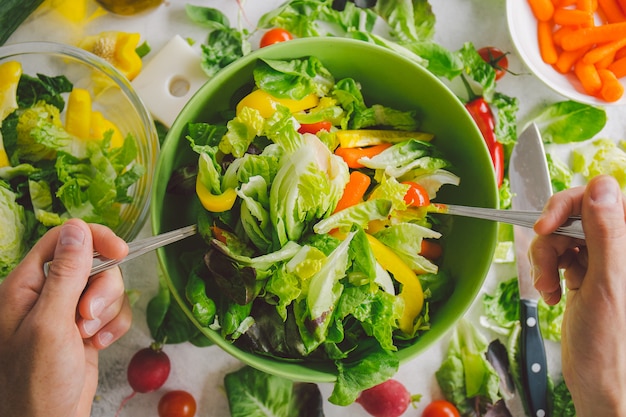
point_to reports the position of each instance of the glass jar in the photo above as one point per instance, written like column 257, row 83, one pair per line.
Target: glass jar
column 129, row 7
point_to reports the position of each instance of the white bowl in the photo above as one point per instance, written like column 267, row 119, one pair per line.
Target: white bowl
column 523, row 30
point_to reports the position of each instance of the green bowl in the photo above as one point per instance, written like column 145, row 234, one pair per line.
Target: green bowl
column 386, row 78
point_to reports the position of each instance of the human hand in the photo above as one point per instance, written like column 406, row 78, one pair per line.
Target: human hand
column 593, row 357
column 51, row 328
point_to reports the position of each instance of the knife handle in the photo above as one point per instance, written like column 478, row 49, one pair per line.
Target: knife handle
column 534, row 364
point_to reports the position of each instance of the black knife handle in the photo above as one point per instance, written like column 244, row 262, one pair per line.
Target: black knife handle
column 534, row 364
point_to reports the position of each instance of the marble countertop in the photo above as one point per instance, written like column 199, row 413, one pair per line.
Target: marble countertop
column 201, row 370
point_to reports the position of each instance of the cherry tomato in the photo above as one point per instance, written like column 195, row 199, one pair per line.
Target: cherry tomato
column 177, row 404
column 440, row 408
column 315, row 127
column 496, row 58
column 275, row 35
column 416, row 196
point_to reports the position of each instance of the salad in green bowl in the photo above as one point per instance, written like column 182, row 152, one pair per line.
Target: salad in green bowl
column 318, row 246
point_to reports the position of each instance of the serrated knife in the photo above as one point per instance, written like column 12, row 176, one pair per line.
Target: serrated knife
column 531, row 189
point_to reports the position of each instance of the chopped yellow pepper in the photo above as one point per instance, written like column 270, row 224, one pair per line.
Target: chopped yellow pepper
column 118, row 48
column 73, row 10
column 100, row 125
column 78, row 114
column 266, row 103
column 411, row 292
column 10, row 73
column 368, row 137
column 215, row 203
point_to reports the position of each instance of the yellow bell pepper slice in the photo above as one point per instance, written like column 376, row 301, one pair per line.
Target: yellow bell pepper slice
column 411, row 292
column 100, row 125
column 215, row 203
column 368, row 137
column 118, row 48
column 10, row 73
column 266, row 104
column 78, row 114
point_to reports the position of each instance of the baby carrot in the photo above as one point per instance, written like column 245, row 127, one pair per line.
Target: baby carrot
column 542, row 9
column 618, row 67
column 566, row 60
column 572, row 17
column 354, row 191
column 586, row 5
column 546, row 42
column 592, row 35
column 561, row 32
column 612, row 90
column 599, row 52
column 612, row 11
column 621, row 53
column 588, row 77
column 352, row 155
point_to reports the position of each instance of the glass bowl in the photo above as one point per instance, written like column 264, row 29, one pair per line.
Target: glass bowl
column 113, row 96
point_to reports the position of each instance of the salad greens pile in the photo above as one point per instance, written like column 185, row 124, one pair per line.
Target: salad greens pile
column 51, row 175
column 284, row 274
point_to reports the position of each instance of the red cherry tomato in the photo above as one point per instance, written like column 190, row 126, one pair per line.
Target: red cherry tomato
column 416, row 196
column 177, row 404
column 315, row 127
column 496, row 58
column 275, row 35
column 440, row 408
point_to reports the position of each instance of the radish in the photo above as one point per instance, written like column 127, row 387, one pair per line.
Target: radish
column 147, row 371
column 388, row 399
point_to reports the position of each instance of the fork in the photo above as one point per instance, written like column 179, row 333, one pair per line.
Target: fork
column 572, row 228
column 136, row 249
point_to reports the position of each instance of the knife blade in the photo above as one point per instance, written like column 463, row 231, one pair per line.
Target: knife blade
column 531, row 189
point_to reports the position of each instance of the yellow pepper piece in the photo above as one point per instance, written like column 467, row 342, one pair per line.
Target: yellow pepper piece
column 411, row 293
column 215, row 203
column 368, row 137
column 78, row 114
column 10, row 73
column 118, row 48
column 266, row 103
column 73, row 10
column 126, row 58
column 100, row 125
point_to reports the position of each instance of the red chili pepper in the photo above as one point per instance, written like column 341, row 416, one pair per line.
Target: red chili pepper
column 480, row 111
column 497, row 156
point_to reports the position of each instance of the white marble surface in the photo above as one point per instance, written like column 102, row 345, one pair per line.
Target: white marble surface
column 201, row 370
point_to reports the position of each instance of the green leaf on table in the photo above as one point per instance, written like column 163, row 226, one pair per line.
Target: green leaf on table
column 569, row 121
column 253, row 393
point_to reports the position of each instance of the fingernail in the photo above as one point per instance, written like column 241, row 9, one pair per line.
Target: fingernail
column 105, row 338
column 72, row 235
column 96, row 307
column 606, row 191
column 91, row 326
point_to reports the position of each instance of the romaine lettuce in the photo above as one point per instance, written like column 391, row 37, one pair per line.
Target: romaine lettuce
column 13, row 232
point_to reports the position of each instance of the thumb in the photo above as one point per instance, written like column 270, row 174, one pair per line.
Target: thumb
column 605, row 226
column 69, row 269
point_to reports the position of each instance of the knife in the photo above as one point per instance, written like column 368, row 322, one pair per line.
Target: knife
column 531, row 189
